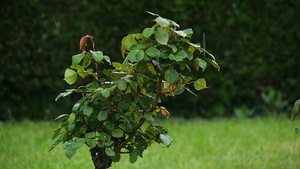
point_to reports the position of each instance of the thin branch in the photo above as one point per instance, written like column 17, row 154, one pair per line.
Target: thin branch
column 98, row 72
column 142, row 120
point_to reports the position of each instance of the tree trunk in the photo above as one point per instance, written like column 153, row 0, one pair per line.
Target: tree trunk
column 100, row 159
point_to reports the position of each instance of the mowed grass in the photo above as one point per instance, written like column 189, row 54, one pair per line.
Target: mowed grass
column 267, row 143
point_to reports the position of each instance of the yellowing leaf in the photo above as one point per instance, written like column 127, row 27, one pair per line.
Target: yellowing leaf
column 165, row 112
column 200, row 84
column 70, row 76
column 214, row 63
column 151, row 69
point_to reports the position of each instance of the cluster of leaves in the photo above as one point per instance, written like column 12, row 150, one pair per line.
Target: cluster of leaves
column 295, row 111
column 116, row 110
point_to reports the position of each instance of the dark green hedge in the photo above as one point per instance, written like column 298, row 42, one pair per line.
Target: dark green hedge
column 256, row 44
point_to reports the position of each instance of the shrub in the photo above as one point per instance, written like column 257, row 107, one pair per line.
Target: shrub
column 118, row 102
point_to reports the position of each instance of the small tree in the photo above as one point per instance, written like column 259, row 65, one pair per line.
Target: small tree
column 114, row 106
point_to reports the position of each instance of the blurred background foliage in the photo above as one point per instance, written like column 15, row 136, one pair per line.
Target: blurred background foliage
column 256, row 43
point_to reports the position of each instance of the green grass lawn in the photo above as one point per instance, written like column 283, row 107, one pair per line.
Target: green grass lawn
column 198, row 144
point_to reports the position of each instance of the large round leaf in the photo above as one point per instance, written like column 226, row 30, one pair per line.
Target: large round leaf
column 70, row 76
column 171, row 76
column 200, row 84
column 162, row 36
column 118, row 133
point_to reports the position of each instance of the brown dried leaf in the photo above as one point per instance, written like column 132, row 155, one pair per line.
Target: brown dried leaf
column 83, row 42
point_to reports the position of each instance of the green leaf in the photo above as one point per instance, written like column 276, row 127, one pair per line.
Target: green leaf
column 102, row 136
column 76, row 59
column 102, row 115
column 171, row 76
column 76, row 107
column 56, row 132
column 90, row 135
column 124, row 105
column 181, row 33
column 172, row 57
column 98, row 55
column 149, row 117
column 201, row 63
column 173, row 47
column 110, row 152
column 144, row 102
column 188, row 32
column 180, row 55
column 70, row 76
column 140, row 55
column 64, row 94
column 109, row 126
column 174, row 24
column 189, row 90
column 107, row 59
column 116, row 158
column 71, row 118
column 87, row 60
column 126, row 127
column 187, row 79
column 133, row 85
column 108, row 142
column 208, row 53
column 129, row 41
column 88, row 111
column 55, row 144
column 71, row 127
column 295, row 109
column 70, row 152
column 128, row 89
column 136, row 55
column 77, row 143
column 151, row 13
column 200, row 84
column 178, row 90
column 162, row 36
column 118, row 133
column 61, row 116
column 197, row 46
column 182, row 66
column 131, row 55
column 148, row 32
column 133, row 156
column 92, row 143
column 165, row 139
column 214, row 63
column 162, row 22
column 151, row 69
column 116, row 65
column 189, row 55
column 106, row 92
column 121, row 85
column 82, row 74
column 153, row 52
